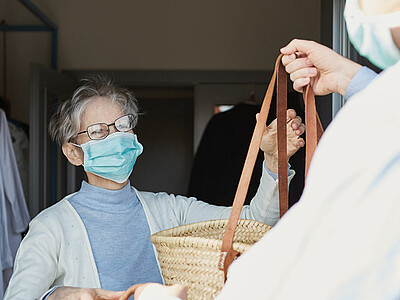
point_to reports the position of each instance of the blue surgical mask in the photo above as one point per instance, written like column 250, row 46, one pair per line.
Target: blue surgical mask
column 112, row 158
column 371, row 35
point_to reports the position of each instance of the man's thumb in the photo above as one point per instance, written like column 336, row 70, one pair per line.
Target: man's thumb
column 297, row 46
column 108, row 295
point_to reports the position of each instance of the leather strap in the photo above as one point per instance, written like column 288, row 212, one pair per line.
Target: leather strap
column 279, row 75
column 281, row 111
column 227, row 253
column 313, row 126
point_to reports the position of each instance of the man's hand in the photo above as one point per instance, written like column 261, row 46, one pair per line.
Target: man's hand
column 269, row 144
column 154, row 291
column 72, row 293
column 308, row 61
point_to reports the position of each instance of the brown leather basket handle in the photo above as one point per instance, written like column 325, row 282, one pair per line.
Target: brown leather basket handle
column 313, row 125
column 312, row 119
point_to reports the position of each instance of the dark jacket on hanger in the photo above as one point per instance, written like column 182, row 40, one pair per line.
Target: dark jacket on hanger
column 222, row 151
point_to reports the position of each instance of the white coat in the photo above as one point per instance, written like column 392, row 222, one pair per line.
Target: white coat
column 342, row 239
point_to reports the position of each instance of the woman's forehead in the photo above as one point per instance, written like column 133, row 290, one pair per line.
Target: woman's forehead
column 100, row 110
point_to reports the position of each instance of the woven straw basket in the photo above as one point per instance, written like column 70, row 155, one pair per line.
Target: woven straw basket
column 198, row 255
column 189, row 254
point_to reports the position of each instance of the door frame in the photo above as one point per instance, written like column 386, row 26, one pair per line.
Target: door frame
column 43, row 81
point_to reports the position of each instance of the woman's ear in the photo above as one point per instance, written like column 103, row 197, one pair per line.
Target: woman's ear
column 73, row 154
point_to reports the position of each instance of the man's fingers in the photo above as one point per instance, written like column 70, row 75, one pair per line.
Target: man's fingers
column 108, row 295
column 303, row 73
column 300, row 83
column 87, row 296
column 178, row 291
column 298, row 46
column 298, row 64
column 287, row 59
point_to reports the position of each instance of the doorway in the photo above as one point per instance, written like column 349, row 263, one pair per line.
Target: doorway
column 165, row 129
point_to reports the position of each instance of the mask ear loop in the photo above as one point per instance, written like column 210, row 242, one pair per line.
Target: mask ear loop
column 79, row 146
column 76, row 145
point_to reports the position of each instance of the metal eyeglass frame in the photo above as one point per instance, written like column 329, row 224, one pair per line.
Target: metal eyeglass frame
column 108, row 127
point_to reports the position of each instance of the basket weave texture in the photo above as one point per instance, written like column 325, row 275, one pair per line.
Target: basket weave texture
column 189, row 254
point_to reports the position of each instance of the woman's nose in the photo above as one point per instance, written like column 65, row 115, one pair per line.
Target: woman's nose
column 112, row 129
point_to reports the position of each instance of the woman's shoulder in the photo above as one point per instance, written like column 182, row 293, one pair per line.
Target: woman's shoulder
column 158, row 197
column 149, row 196
column 57, row 213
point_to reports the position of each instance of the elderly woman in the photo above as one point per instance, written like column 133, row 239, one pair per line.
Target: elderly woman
column 97, row 240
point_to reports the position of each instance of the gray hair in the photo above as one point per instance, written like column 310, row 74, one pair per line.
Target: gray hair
column 65, row 123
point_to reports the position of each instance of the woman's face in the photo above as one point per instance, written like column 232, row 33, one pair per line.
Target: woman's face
column 99, row 110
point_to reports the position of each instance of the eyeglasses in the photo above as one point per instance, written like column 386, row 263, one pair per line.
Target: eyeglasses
column 100, row 131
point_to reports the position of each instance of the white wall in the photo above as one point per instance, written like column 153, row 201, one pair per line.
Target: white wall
column 155, row 34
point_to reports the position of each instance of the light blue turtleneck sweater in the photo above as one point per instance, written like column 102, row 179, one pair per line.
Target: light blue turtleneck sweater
column 119, row 235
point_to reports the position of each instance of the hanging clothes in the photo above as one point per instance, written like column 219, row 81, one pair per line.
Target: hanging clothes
column 221, row 154
column 220, row 157
column 14, row 216
column 20, row 144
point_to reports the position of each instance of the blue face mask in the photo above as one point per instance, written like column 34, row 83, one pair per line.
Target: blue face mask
column 371, row 35
column 112, row 158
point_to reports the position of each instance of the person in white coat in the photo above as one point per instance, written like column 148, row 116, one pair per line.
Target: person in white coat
column 96, row 242
column 342, row 239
